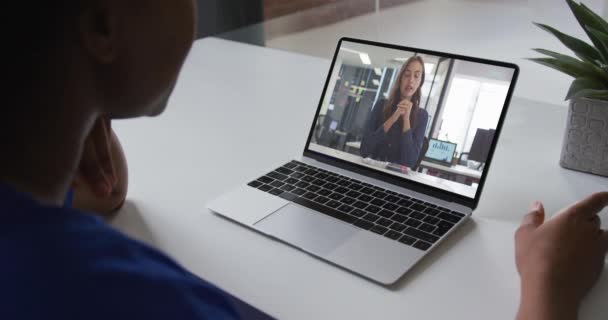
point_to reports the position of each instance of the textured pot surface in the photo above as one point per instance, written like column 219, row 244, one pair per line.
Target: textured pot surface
column 585, row 145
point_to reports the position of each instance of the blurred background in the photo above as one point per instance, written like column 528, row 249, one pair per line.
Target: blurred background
column 494, row 29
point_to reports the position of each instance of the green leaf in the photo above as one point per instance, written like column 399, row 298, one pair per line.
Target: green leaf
column 576, row 68
column 592, row 94
column 582, row 49
column 581, row 84
column 601, row 37
column 598, row 20
column 587, row 20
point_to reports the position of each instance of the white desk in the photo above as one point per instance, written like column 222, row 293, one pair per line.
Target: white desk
column 239, row 110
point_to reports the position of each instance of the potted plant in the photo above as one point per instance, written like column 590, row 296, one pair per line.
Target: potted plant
column 585, row 144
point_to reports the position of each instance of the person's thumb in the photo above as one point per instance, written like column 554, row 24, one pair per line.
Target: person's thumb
column 535, row 217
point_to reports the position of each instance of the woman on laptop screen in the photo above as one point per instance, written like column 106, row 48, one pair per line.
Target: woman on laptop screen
column 396, row 127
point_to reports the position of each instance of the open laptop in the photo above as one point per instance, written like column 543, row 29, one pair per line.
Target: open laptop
column 440, row 152
column 354, row 198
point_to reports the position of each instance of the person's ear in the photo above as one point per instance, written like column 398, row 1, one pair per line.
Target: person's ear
column 99, row 27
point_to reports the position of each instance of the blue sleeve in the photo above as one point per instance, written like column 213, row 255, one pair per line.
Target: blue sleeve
column 411, row 141
column 374, row 134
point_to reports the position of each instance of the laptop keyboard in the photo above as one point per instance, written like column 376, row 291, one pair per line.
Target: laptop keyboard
column 398, row 217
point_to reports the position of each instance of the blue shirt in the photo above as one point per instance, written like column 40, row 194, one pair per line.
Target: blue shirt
column 395, row 145
column 60, row 263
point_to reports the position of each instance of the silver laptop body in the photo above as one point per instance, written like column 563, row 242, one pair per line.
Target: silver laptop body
column 346, row 234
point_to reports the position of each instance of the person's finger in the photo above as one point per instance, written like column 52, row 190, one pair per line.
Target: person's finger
column 535, row 217
column 604, row 240
column 595, row 222
column 589, row 206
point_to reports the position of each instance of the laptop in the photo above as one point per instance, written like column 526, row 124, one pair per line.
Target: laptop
column 354, row 198
column 440, row 152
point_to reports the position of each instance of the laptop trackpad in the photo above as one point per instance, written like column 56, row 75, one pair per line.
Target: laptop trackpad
column 306, row 229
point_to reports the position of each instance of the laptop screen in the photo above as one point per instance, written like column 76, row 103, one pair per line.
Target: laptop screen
column 440, row 151
column 401, row 111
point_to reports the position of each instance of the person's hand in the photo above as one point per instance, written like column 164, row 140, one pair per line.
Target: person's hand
column 560, row 260
column 96, row 167
column 405, row 108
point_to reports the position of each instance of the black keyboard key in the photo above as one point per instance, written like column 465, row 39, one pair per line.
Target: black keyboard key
column 265, row 179
column 390, row 206
column 358, row 213
column 365, row 198
column 321, row 199
column 330, row 186
column 413, row 223
column 291, row 165
column 418, row 215
column 360, row 204
column 367, row 190
column 343, row 183
column 324, row 192
column 302, row 184
column 307, row 179
column 394, row 235
column 336, row 196
column 392, row 198
column 255, row 184
column 277, row 184
column 287, row 187
column 371, row 217
column 378, row 202
column 322, row 176
column 431, row 220
column 422, row 245
column 417, row 207
column 363, row 224
column 372, row 209
column 313, row 188
column 356, row 186
column 405, row 203
column 407, row 240
column 449, row 217
column 277, row 176
column 384, row 222
column 399, row 218
column 311, row 172
column 378, row 229
column 348, row 200
column 341, row 190
column 300, row 168
column 427, row 228
column 275, row 191
column 310, row 195
column 345, row 208
column 291, row 181
column 391, row 192
column 431, row 211
column 444, row 225
column 333, row 204
column 284, row 171
column 297, row 175
column 299, row 191
column 397, row 226
column 332, row 179
column 328, row 211
column 404, row 211
column 386, row 213
column 318, row 182
column 458, row 214
column 421, row 235
column 265, row 188
column 379, row 194
column 353, row 194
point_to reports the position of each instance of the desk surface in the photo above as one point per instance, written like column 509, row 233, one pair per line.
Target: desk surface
column 196, row 151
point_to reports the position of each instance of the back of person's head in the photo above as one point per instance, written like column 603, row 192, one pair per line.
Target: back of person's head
column 116, row 57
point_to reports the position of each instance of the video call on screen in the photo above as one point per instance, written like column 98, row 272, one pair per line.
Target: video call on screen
column 421, row 117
